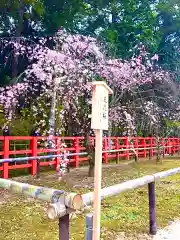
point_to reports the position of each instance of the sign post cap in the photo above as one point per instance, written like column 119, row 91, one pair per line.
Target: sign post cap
column 102, row 83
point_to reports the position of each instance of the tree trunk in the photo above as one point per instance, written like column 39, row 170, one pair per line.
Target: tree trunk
column 18, row 32
column 52, row 111
column 158, row 149
column 52, row 117
column 70, row 123
column 91, row 157
column 90, row 148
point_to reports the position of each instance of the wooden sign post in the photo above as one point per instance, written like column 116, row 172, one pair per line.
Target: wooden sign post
column 99, row 122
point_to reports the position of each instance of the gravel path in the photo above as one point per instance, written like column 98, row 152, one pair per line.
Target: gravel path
column 171, row 232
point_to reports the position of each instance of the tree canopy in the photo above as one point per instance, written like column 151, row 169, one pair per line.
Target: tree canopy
column 133, row 45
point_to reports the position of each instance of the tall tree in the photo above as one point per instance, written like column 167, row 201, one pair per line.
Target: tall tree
column 169, row 35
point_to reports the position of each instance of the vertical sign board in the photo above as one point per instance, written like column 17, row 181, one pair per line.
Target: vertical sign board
column 99, row 122
column 100, row 108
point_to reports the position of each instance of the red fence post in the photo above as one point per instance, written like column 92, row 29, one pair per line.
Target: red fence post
column 165, row 146
column 105, row 148
column 171, row 146
column 34, row 153
column 117, row 148
column 155, row 146
column 177, row 143
column 58, row 152
column 76, row 146
column 144, row 146
column 174, row 146
column 136, row 146
column 126, row 143
column 162, row 144
column 151, row 147
column 5, row 155
column 168, row 146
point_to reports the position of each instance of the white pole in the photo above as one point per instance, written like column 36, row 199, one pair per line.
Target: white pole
column 97, row 184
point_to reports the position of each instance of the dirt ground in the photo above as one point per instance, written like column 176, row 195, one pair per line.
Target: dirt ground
column 123, row 217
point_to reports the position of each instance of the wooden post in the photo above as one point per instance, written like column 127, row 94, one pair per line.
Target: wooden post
column 99, row 122
column 5, row 155
column 76, row 146
column 89, row 226
column 152, row 209
column 97, row 185
column 64, row 228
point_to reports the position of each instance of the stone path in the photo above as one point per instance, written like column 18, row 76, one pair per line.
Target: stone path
column 171, row 232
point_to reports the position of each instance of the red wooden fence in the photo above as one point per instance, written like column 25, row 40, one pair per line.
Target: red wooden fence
column 18, row 146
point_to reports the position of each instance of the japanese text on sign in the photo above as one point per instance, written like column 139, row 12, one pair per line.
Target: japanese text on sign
column 100, row 109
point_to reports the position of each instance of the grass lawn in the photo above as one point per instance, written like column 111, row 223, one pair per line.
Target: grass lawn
column 123, row 215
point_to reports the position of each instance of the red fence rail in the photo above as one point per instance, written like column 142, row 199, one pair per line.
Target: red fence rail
column 18, row 146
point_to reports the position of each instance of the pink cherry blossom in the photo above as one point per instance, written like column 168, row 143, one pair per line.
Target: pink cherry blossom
column 76, row 60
